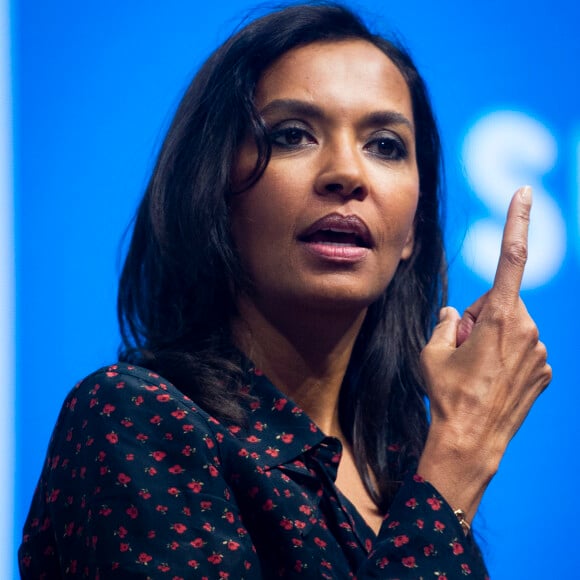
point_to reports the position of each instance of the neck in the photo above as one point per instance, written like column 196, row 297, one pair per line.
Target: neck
column 305, row 354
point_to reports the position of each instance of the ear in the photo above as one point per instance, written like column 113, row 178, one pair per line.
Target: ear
column 409, row 244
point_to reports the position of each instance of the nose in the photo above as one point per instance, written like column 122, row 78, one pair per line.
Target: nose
column 341, row 171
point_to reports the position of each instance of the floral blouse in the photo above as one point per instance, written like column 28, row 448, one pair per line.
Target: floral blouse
column 140, row 482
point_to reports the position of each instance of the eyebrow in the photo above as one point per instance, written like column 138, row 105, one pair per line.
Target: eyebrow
column 303, row 108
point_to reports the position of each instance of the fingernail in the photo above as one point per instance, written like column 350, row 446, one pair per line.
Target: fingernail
column 526, row 193
column 443, row 314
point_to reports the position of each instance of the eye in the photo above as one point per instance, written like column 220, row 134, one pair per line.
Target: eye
column 387, row 147
column 290, row 136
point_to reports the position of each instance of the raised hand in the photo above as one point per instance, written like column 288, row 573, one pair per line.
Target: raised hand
column 483, row 373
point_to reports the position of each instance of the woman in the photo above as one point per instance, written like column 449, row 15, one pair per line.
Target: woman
column 285, row 274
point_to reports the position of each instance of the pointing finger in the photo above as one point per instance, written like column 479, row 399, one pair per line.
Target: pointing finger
column 514, row 246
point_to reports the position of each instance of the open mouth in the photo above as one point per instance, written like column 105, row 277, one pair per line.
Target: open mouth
column 336, row 238
column 338, row 230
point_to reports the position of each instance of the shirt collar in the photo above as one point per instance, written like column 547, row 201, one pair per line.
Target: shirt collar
column 277, row 429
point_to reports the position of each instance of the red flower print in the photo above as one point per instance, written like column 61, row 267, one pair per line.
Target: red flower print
column 411, row 503
column 144, row 558
column 457, row 548
column 112, row 437
column 187, row 428
column 418, row 478
column 252, row 439
column 105, row 511
column 383, row 562
column 173, row 491
column 188, row 450
column 429, row 550
column 259, row 426
column 268, row 505
column 132, row 512
column 123, row 479
column 145, row 493
column 124, row 547
column 215, row 558
column 409, row 562
column 297, row 543
column 193, row 564
column 162, row 508
column 434, row 503
column 233, row 546
column 212, row 471
column 209, row 442
column 141, row 437
column 286, row 437
column 158, row 455
column 195, row 485
column 208, row 527
column 163, row 398
column 420, row 523
column 156, row 419
column 299, row 524
column 439, row 526
column 465, row 569
column 286, row 523
column 138, row 400
column 320, row 543
column 272, row 451
column 179, row 528
column 163, row 567
column 228, row 516
column 197, row 543
column 400, row 540
column 126, row 422
column 179, row 414
column 107, row 409
column 298, row 566
column 205, row 505
column 279, row 404
column 176, row 469
column 129, row 456
column 121, row 532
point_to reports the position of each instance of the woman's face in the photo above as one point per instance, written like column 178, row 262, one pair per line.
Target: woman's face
column 332, row 216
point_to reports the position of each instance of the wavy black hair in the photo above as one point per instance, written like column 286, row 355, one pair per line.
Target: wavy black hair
column 181, row 276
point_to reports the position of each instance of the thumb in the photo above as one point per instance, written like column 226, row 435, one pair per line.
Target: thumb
column 445, row 333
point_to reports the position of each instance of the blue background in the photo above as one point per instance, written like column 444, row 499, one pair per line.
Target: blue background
column 94, row 87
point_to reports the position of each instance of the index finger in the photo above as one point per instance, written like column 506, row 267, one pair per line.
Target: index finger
column 514, row 246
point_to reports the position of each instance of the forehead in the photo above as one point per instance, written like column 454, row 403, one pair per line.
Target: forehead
column 348, row 74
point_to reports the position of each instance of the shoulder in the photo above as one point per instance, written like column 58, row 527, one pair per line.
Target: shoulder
column 123, row 397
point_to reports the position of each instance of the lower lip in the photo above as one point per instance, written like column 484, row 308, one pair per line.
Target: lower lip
column 337, row 252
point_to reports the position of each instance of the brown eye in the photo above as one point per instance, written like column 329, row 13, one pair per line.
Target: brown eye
column 387, row 148
column 289, row 137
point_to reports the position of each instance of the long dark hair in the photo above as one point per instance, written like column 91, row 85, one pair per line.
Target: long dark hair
column 182, row 273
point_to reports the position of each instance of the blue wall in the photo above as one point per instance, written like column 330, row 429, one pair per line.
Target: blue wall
column 94, row 86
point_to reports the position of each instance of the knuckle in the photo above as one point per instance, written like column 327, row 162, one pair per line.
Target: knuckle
column 516, row 253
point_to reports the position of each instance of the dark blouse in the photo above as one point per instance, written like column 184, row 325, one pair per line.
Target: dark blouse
column 140, row 482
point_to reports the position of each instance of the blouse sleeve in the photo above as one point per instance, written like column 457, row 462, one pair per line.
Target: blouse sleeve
column 421, row 538
column 132, row 488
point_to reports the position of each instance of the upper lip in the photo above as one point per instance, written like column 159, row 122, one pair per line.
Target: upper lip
column 348, row 224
